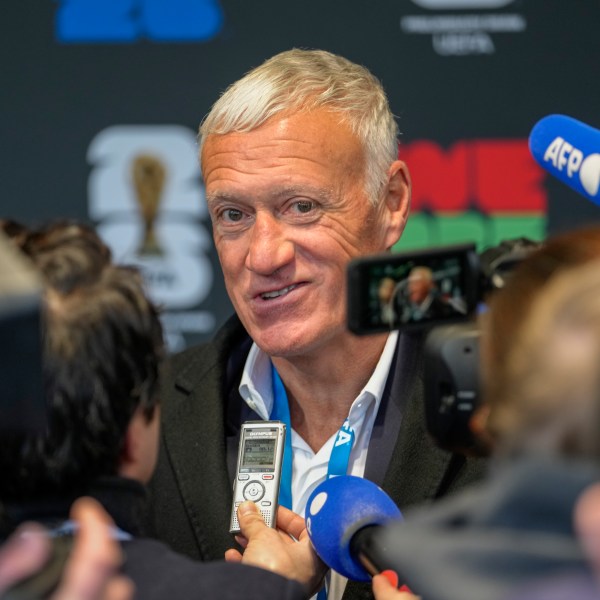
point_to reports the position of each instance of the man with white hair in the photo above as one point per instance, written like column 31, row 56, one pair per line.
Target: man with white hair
column 300, row 163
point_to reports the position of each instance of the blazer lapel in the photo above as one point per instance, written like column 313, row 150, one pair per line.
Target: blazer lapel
column 417, row 466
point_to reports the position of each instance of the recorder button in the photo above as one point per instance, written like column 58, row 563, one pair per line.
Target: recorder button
column 243, row 477
column 267, row 476
column 254, row 491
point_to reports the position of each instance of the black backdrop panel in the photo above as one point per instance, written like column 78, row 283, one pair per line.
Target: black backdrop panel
column 101, row 101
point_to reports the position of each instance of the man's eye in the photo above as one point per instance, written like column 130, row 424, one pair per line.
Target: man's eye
column 232, row 215
column 304, row 206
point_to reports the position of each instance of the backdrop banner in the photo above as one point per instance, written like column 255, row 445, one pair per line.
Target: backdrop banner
column 102, row 100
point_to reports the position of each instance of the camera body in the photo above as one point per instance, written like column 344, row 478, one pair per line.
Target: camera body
column 384, row 294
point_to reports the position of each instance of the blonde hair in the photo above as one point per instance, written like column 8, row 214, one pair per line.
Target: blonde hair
column 304, row 80
column 551, row 396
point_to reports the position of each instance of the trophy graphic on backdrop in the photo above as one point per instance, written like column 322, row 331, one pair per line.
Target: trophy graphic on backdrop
column 148, row 173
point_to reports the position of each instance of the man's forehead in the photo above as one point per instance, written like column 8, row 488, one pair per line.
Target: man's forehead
column 320, row 127
column 274, row 192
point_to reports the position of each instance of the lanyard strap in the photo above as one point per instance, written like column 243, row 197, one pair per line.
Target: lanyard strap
column 338, row 459
column 281, row 412
column 340, row 453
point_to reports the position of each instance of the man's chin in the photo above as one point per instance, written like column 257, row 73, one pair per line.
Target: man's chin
column 284, row 341
column 293, row 336
column 282, row 348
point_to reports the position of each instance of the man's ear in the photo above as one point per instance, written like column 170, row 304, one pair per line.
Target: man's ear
column 397, row 201
column 129, row 451
column 135, row 446
column 140, row 446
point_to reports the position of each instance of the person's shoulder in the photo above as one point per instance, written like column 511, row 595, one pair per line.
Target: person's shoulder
column 159, row 572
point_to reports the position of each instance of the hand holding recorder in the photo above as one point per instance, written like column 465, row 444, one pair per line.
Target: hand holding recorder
column 286, row 550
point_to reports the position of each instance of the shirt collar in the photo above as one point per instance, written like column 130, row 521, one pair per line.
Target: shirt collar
column 256, row 386
column 373, row 390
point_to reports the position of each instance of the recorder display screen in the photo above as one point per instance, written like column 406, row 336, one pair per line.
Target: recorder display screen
column 259, row 453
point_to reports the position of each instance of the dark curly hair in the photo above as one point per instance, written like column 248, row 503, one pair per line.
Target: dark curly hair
column 102, row 345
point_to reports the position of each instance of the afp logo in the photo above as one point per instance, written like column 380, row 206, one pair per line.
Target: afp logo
column 566, row 158
column 569, row 150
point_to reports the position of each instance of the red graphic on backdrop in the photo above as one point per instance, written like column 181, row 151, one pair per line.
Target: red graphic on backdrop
column 491, row 176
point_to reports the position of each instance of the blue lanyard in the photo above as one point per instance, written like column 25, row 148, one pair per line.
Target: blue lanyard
column 338, row 459
column 340, row 453
column 281, row 412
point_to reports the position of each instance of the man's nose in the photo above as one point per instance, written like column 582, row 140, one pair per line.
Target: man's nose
column 270, row 247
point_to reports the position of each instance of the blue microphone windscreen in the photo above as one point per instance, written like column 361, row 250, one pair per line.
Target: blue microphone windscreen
column 336, row 510
column 570, row 151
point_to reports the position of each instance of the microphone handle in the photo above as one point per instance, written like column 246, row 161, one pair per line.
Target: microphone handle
column 372, row 556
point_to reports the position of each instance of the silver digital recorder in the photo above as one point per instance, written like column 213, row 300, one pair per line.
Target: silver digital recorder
column 258, row 473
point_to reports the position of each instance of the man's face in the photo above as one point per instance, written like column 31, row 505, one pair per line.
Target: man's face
column 289, row 211
column 418, row 288
column 386, row 289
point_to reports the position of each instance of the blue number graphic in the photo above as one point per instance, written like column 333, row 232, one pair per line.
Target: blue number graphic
column 182, row 20
column 126, row 21
column 97, row 21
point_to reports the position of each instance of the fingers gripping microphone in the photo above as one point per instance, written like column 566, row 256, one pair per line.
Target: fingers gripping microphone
column 341, row 515
column 569, row 150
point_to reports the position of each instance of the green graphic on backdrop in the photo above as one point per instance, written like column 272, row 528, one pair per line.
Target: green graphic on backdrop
column 427, row 229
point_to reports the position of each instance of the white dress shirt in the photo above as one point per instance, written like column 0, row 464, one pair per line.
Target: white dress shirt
column 310, row 468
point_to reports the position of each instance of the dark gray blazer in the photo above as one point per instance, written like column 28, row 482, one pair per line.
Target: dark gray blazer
column 201, row 415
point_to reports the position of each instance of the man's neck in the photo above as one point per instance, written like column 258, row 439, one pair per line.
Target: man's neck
column 321, row 388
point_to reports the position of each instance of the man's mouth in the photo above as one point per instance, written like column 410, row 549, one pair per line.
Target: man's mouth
column 277, row 293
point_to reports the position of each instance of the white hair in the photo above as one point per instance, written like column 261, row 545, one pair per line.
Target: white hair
column 303, row 80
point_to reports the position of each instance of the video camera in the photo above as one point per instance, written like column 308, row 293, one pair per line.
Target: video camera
column 438, row 291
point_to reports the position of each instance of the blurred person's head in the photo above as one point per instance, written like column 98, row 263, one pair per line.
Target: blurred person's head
column 14, row 230
column 540, row 349
column 420, row 284
column 102, row 343
column 385, row 291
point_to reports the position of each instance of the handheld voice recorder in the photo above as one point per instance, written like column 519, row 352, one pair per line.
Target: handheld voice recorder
column 258, row 472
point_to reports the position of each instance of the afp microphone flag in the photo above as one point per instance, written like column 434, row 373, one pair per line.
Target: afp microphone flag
column 570, row 151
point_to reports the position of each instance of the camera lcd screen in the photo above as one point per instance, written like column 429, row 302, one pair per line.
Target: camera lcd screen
column 404, row 291
column 259, row 453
